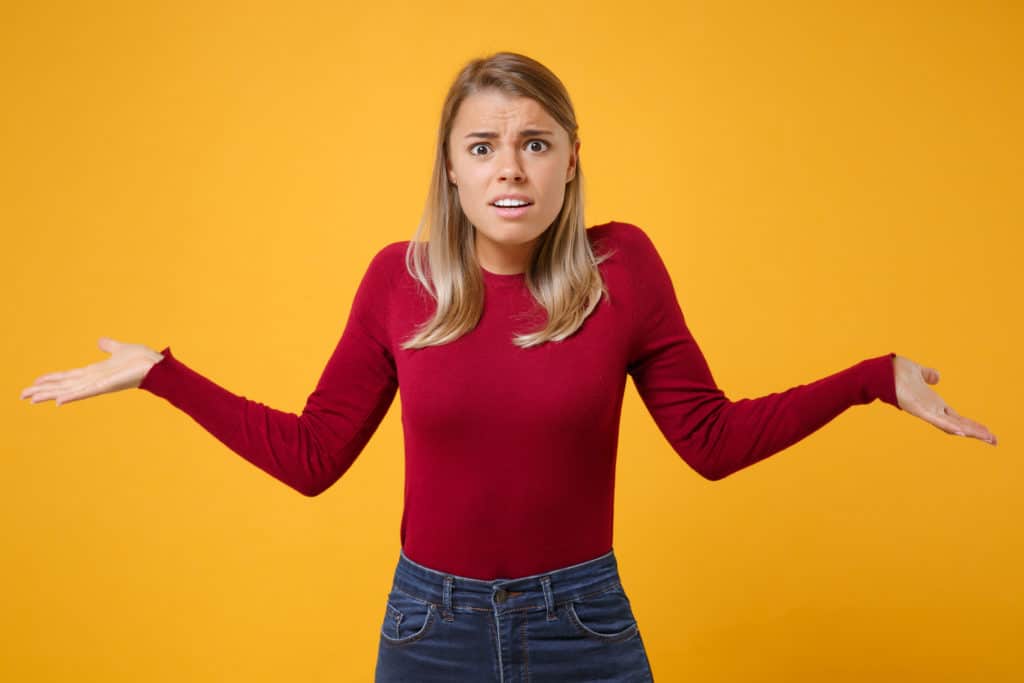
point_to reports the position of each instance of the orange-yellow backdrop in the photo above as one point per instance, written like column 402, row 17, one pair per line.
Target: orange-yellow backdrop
column 826, row 182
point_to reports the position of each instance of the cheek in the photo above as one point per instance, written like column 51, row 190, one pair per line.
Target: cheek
column 472, row 202
column 553, row 194
column 469, row 195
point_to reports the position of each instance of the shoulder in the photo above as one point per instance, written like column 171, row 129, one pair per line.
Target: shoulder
column 391, row 253
column 619, row 236
column 634, row 263
column 388, row 261
column 381, row 272
column 618, row 232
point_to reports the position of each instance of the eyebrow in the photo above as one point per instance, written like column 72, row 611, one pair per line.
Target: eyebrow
column 486, row 134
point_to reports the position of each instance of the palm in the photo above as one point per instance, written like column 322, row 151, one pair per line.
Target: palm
column 916, row 397
column 124, row 369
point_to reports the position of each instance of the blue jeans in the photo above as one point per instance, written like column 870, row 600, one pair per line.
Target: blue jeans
column 562, row 626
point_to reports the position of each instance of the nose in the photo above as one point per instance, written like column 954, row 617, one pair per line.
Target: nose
column 510, row 168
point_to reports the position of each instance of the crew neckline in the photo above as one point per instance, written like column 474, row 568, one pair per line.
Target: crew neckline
column 502, row 278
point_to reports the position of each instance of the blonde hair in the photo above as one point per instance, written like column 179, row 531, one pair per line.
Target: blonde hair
column 562, row 277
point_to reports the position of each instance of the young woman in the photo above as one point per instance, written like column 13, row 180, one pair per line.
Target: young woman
column 512, row 330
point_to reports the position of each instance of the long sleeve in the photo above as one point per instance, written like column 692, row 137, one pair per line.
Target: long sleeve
column 714, row 435
column 311, row 451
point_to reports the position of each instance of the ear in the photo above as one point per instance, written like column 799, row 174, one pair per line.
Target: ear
column 573, row 160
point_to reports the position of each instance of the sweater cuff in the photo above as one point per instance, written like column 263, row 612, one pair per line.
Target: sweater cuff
column 880, row 379
column 156, row 377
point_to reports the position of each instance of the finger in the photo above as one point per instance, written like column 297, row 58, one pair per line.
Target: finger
column 42, row 385
column 74, row 396
column 930, row 375
column 972, row 428
column 48, row 377
column 74, row 391
column 966, row 429
column 35, row 389
column 945, row 422
column 109, row 345
column 54, row 376
column 977, row 430
column 48, row 391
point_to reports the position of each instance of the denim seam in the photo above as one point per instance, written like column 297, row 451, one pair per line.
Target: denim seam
column 424, row 630
column 624, row 634
column 524, row 608
column 526, row 651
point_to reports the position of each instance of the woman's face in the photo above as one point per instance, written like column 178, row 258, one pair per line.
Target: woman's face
column 503, row 145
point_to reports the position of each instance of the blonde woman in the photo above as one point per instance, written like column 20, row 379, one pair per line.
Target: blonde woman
column 513, row 328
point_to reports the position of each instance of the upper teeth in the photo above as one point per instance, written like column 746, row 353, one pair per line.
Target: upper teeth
column 510, row 202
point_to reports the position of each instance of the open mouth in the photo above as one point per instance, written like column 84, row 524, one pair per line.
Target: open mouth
column 511, row 211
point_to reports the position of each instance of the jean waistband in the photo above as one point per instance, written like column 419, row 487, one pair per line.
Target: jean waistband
column 558, row 585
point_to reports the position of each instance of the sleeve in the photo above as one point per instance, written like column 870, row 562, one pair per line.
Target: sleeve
column 714, row 435
column 311, row 451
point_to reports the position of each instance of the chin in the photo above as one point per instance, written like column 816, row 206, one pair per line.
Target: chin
column 512, row 234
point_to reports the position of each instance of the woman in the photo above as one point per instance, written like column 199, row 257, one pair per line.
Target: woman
column 513, row 328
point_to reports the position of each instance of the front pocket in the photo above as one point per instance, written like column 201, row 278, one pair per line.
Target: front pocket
column 604, row 616
column 406, row 618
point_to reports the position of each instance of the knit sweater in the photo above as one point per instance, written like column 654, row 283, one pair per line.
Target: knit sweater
column 510, row 452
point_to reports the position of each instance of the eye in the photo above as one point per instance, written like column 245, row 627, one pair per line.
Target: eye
column 484, row 144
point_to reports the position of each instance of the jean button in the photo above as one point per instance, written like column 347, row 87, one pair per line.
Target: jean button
column 501, row 595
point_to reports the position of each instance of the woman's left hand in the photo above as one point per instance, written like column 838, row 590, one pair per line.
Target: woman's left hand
column 917, row 398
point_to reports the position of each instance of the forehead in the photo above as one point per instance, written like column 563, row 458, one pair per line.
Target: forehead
column 498, row 110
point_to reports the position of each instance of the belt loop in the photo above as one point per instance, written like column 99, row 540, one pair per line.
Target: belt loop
column 549, row 599
column 446, row 609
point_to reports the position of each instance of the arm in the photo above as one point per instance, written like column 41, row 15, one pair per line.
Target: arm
column 310, row 451
column 714, row 435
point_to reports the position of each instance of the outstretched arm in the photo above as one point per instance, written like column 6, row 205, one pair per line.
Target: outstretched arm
column 312, row 450
column 717, row 436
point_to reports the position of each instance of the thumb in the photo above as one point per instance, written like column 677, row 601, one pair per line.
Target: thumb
column 931, row 375
column 109, row 345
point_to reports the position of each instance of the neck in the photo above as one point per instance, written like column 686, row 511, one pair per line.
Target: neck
column 503, row 259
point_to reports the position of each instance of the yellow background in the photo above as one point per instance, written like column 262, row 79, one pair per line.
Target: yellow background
column 826, row 181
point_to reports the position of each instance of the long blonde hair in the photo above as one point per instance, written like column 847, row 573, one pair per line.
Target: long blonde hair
column 562, row 277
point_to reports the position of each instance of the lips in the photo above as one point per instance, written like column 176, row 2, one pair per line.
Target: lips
column 511, row 211
column 513, row 196
column 528, row 203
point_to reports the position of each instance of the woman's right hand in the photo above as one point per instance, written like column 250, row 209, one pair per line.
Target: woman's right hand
column 127, row 365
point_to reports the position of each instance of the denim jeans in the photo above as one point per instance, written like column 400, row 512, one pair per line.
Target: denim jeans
column 570, row 624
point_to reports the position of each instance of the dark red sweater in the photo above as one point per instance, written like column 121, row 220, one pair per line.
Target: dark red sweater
column 510, row 453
